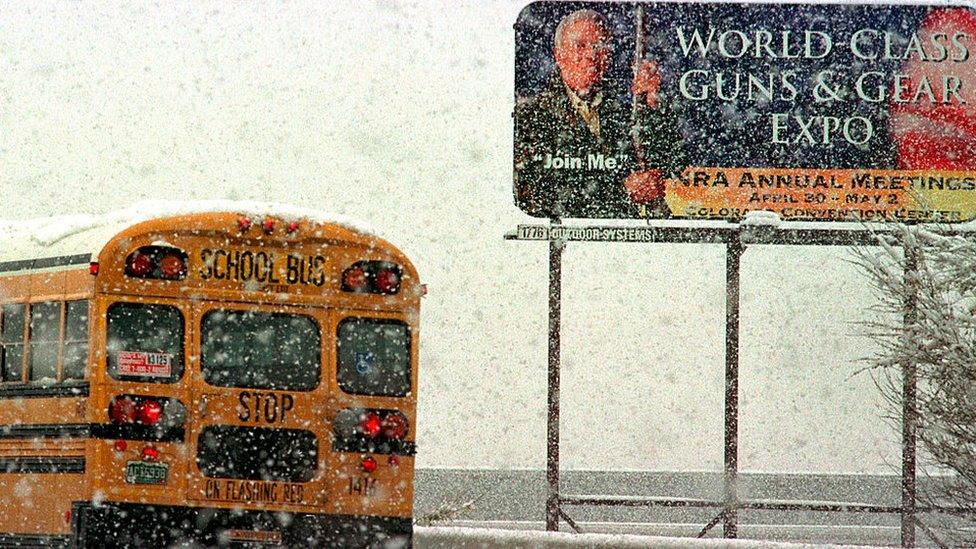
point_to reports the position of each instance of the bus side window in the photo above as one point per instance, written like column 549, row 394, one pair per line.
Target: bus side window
column 75, row 340
column 12, row 343
column 44, row 338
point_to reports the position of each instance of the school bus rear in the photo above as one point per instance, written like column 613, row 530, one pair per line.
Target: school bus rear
column 253, row 381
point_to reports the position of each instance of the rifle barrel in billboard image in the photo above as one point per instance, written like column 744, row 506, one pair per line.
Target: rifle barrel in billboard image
column 710, row 111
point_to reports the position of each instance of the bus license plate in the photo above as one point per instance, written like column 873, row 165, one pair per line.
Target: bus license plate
column 143, row 472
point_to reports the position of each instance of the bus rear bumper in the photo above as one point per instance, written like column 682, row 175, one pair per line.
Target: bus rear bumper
column 136, row 525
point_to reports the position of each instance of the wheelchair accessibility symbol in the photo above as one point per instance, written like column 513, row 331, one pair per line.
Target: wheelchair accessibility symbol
column 365, row 362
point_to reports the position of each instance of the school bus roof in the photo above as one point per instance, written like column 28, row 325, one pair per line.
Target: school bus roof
column 73, row 236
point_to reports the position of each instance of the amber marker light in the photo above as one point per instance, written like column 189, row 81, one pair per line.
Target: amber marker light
column 354, row 279
column 172, row 266
column 139, row 265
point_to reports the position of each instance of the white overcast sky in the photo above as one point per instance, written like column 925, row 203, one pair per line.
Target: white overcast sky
column 399, row 114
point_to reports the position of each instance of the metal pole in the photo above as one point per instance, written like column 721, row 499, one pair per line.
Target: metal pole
column 908, row 410
column 552, row 429
column 733, row 254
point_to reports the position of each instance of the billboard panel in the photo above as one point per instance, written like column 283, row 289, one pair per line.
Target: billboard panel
column 712, row 110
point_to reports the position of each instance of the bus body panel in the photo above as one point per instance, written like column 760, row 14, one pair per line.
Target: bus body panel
column 40, row 503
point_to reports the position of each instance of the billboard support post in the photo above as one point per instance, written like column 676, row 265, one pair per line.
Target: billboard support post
column 909, row 411
column 735, row 238
column 552, row 424
column 733, row 254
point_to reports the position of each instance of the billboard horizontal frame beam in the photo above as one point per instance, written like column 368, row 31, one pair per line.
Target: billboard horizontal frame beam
column 783, row 234
column 757, row 505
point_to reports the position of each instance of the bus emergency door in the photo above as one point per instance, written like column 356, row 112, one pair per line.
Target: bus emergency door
column 257, row 433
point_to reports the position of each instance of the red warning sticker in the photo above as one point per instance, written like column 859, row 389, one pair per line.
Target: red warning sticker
column 140, row 363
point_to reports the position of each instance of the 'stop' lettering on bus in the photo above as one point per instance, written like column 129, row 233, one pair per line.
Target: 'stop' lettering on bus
column 247, row 266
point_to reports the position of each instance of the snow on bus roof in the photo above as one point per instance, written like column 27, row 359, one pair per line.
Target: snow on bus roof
column 88, row 233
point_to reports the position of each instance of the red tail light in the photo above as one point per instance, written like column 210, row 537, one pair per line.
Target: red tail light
column 369, row 464
column 394, row 425
column 371, row 425
column 243, row 224
column 268, row 226
column 146, row 411
column 150, row 453
column 122, row 410
column 149, row 412
column 93, row 268
column 292, row 227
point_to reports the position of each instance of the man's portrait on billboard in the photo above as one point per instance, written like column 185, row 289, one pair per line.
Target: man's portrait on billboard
column 583, row 150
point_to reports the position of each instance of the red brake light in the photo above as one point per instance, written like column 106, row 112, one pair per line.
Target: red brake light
column 93, row 268
column 148, row 412
column 292, row 227
column 243, row 224
column 122, row 410
column 369, row 464
column 387, row 281
column 354, row 279
column 268, row 226
column 139, row 265
column 371, row 425
column 394, row 425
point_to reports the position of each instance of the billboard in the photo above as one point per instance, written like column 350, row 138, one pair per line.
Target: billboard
column 712, row 110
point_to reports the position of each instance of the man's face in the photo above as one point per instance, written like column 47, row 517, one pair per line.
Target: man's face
column 583, row 55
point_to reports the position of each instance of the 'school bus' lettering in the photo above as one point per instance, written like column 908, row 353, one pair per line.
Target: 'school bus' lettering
column 261, row 266
column 199, row 399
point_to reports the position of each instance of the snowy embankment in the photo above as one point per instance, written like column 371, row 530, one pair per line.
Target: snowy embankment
column 438, row 537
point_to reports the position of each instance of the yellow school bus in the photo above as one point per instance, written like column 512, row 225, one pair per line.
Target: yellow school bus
column 218, row 377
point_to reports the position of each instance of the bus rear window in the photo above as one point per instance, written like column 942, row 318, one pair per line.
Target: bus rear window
column 145, row 342
column 256, row 453
column 373, row 357
column 260, row 350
